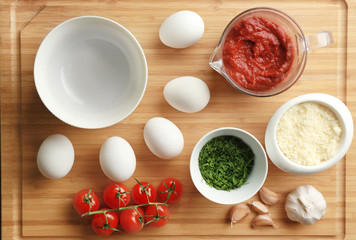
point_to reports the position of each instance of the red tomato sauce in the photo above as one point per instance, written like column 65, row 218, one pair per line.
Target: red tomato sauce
column 258, row 54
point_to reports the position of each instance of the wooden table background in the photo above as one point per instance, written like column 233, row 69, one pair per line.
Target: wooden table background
column 17, row 20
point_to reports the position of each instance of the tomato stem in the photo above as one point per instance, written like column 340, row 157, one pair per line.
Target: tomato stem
column 88, row 198
column 156, row 217
column 123, row 208
column 106, row 225
column 119, row 193
column 141, row 218
column 169, row 190
column 144, row 189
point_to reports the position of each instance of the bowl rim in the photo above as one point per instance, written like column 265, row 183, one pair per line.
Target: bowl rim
column 36, row 68
column 329, row 101
column 195, row 177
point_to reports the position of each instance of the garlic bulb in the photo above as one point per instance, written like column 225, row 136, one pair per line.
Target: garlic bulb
column 305, row 205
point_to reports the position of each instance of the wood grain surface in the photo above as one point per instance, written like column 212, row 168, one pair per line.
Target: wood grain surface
column 34, row 207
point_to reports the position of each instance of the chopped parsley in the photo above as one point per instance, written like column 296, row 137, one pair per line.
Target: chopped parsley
column 225, row 162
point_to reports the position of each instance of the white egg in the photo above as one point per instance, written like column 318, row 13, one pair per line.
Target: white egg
column 187, row 94
column 117, row 159
column 181, row 29
column 55, row 156
column 163, row 138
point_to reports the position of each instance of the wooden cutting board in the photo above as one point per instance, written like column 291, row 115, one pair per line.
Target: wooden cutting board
column 44, row 206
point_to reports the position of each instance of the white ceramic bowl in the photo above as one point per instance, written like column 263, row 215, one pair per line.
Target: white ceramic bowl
column 254, row 181
column 342, row 113
column 90, row 72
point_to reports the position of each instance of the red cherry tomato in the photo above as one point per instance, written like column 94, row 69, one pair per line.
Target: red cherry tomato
column 131, row 220
column 84, row 200
column 172, row 186
column 105, row 224
column 142, row 192
column 156, row 216
column 116, row 195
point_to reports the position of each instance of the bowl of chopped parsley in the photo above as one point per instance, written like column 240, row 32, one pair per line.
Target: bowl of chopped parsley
column 228, row 165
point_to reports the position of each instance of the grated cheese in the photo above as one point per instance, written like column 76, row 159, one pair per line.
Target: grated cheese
column 309, row 133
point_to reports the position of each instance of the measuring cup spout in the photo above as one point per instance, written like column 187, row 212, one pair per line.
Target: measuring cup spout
column 215, row 60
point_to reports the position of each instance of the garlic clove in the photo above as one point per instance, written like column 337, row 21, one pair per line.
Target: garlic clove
column 259, row 207
column 269, row 197
column 238, row 212
column 263, row 220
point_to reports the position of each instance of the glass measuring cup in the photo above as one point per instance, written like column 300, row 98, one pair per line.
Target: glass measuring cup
column 301, row 43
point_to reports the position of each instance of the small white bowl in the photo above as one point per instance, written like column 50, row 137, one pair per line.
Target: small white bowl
column 334, row 104
column 254, row 181
column 90, row 72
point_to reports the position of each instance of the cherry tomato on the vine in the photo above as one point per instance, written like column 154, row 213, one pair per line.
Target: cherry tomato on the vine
column 84, row 200
column 116, row 194
column 105, row 224
column 142, row 192
column 132, row 220
column 172, row 186
column 156, row 216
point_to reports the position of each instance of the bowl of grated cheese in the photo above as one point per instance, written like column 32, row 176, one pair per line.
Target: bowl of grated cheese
column 309, row 134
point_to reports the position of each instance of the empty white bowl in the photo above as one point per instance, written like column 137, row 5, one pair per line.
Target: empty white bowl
column 254, row 181
column 334, row 104
column 90, row 72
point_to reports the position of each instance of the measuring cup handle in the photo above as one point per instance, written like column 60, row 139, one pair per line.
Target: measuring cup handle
column 318, row 40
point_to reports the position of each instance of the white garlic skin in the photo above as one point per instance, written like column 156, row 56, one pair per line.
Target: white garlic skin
column 239, row 212
column 305, row 205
